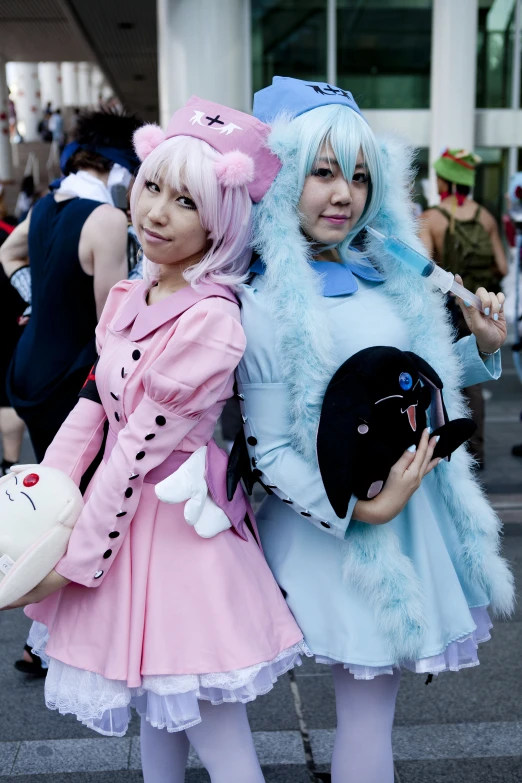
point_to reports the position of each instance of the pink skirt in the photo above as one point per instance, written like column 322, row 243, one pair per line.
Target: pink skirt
column 173, row 605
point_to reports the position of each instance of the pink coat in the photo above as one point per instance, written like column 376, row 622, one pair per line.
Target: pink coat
column 149, row 596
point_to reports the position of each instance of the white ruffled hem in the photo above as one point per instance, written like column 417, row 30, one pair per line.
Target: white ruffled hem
column 459, row 654
column 166, row 701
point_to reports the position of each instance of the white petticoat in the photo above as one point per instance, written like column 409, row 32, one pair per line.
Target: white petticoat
column 166, row 701
column 459, row 654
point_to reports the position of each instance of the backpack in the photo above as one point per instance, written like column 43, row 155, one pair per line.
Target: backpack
column 468, row 252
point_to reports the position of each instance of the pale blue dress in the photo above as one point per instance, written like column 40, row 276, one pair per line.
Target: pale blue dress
column 302, row 536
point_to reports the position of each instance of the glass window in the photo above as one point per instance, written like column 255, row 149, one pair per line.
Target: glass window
column 384, row 52
column 288, row 39
column 492, row 176
column 495, row 53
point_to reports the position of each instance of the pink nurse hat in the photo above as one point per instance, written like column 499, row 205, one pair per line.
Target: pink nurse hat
column 239, row 137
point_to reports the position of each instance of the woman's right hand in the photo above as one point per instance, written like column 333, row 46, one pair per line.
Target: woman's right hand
column 404, row 479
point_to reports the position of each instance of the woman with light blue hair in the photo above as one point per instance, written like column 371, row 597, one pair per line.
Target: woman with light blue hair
column 405, row 579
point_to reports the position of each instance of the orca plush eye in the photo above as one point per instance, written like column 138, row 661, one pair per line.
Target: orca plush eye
column 405, row 381
column 31, row 480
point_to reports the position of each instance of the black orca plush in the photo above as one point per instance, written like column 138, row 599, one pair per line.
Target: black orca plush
column 374, row 408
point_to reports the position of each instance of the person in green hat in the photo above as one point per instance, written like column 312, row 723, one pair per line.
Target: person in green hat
column 463, row 237
column 457, row 167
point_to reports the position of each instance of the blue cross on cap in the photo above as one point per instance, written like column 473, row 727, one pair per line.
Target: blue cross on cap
column 295, row 97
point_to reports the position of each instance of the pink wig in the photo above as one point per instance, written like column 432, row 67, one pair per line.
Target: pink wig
column 224, row 208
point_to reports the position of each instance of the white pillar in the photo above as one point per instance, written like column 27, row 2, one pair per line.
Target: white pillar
column 97, row 80
column 453, row 78
column 84, row 84
column 6, row 158
column 107, row 92
column 26, row 95
column 70, row 84
column 202, row 50
column 515, row 80
column 50, row 84
column 331, row 41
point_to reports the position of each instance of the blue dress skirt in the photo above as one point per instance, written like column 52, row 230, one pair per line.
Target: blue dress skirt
column 303, row 539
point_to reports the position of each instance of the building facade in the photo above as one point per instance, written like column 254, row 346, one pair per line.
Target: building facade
column 439, row 72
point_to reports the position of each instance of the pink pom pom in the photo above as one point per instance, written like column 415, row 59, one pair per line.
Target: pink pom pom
column 235, row 169
column 146, row 139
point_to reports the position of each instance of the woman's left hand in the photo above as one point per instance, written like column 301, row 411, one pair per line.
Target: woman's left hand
column 488, row 327
column 49, row 585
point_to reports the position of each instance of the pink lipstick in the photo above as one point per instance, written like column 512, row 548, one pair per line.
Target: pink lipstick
column 336, row 220
column 154, row 238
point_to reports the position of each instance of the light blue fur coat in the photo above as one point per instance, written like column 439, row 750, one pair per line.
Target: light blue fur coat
column 373, row 561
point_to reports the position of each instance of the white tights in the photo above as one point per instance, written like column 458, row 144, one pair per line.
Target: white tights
column 365, row 709
column 223, row 742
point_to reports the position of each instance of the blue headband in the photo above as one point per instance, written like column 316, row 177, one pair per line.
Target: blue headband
column 125, row 157
column 295, row 97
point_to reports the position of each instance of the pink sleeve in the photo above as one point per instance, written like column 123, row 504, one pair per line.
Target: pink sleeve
column 79, row 439
column 190, row 376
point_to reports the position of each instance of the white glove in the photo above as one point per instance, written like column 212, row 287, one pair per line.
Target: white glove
column 188, row 483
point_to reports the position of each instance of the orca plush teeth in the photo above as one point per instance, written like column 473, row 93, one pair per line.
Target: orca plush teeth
column 412, row 418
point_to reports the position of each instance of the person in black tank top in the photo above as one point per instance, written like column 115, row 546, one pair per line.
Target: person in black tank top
column 76, row 243
column 57, row 349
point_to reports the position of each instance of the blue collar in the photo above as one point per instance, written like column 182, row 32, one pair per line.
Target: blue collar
column 338, row 279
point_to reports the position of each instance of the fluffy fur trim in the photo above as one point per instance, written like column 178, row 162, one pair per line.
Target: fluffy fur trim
column 147, row 138
column 374, row 564
column 373, row 561
column 235, row 169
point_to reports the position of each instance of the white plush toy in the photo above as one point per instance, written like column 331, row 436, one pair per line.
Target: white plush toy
column 39, row 507
column 188, row 483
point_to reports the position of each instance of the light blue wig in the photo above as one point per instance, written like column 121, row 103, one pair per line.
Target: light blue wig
column 347, row 133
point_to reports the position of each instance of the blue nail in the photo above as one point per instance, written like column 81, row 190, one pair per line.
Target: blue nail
column 468, row 304
column 412, row 448
column 486, row 311
column 495, row 317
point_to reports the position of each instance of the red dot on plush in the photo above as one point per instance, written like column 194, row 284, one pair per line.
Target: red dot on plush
column 31, row 480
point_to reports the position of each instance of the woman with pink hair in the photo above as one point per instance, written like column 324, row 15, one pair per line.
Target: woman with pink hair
column 169, row 608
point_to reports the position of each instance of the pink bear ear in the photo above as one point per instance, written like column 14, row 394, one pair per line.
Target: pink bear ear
column 235, row 169
column 146, row 139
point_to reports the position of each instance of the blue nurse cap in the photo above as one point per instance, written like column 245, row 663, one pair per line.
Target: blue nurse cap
column 295, row 97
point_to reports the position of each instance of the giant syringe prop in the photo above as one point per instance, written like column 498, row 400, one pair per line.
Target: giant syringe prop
column 440, row 278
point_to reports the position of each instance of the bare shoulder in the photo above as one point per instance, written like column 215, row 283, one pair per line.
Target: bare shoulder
column 106, row 218
column 431, row 216
column 487, row 219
